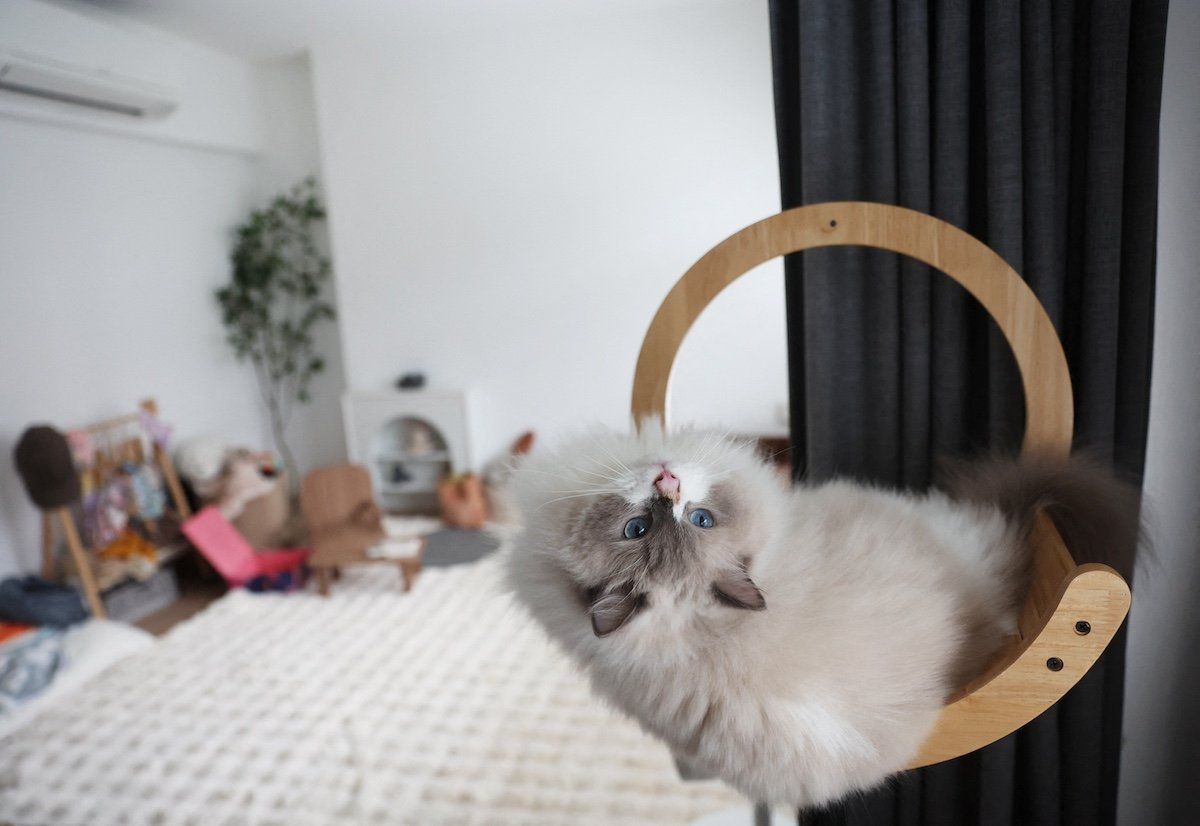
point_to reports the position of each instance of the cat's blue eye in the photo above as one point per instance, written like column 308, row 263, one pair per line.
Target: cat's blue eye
column 701, row 518
column 636, row 528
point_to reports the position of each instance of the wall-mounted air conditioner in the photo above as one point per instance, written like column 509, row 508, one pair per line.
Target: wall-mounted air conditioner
column 81, row 85
column 87, row 67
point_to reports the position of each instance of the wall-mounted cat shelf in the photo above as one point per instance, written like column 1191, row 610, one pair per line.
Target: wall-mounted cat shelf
column 1071, row 611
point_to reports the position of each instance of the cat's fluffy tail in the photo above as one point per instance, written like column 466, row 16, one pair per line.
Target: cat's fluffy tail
column 1098, row 515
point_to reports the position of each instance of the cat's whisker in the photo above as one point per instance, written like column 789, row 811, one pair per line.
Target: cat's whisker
column 605, row 465
column 571, row 496
column 709, row 442
column 596, row 441
column 544, row 473
column 585, row 486
column 611, row 469
column 514, row 466
column 567, row 478
column 622, row 573
column 717, row 439
column 616, row 459
column 635, row 561
column 603, row 476
column 779, row 452
column 586, row 490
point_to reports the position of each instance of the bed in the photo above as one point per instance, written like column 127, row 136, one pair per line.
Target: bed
column 443, row 705
column 86, row 650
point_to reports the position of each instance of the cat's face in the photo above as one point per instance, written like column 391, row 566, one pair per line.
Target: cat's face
column 639, row 524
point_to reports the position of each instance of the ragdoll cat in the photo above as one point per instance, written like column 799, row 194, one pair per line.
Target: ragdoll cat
column 796, row 642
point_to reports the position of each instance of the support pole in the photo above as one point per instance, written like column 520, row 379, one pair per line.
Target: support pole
column 82, row 564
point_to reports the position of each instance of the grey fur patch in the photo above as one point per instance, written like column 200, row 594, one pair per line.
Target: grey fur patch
column 612, row 608
column 737, row 590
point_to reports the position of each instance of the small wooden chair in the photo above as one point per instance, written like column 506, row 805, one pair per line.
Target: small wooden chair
column 1072, row 611
column 343, row 520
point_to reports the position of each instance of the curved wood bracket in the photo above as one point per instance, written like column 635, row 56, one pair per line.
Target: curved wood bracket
column 1041, row 666
column 1049, row 407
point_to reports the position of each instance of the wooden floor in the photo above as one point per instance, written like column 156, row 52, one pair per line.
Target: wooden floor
column 192, row 600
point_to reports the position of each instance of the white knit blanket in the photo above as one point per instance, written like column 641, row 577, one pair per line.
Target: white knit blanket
column 444, row 705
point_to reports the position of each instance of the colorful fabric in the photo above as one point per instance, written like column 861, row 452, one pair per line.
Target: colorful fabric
column 127, row 546
column 12, row 630
column 27, row 666
column 106, row 512
column 32, row 600
column 158, row 430
column 148, row 496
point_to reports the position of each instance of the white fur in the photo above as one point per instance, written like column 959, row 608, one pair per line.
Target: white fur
column 879, row 604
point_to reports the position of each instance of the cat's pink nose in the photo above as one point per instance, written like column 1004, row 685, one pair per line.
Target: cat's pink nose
column 667, row 484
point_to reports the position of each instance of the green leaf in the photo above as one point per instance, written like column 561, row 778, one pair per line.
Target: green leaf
column 273, row 299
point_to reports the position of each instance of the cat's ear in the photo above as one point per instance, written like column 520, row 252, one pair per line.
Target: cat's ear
column 612, row 607
column 736, row 589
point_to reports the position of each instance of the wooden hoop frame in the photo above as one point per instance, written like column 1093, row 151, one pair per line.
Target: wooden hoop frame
column 1050, row 653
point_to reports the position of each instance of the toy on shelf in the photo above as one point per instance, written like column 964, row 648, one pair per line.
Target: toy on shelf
column 242, row 481
column 140, row 556
column 247, row 486
column 463, row 502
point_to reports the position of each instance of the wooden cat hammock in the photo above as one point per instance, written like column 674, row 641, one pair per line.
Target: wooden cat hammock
column 1071, row 611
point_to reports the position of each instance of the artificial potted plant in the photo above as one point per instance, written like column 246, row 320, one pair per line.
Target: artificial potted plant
column 275, row 299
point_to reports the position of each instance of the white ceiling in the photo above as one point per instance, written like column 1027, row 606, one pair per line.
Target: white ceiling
column 268, row 29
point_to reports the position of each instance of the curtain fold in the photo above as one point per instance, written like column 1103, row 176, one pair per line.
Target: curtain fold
column 1033, row 126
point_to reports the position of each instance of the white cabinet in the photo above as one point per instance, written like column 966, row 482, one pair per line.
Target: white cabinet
column 408, row 440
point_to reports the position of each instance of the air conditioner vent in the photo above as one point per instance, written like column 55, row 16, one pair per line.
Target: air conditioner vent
column 95, row 89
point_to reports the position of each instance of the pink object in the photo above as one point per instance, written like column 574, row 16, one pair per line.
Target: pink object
column 82, row 447
column 229, row 552
column 667, row 484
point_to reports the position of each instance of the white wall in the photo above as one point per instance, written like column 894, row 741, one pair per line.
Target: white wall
column 215, row 91
column 1160, row 769
column 114, row 235
column 110, row 249
column 511, row 199
column 291, row 154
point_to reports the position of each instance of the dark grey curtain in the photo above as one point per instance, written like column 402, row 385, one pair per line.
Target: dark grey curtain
column 1034, row 126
